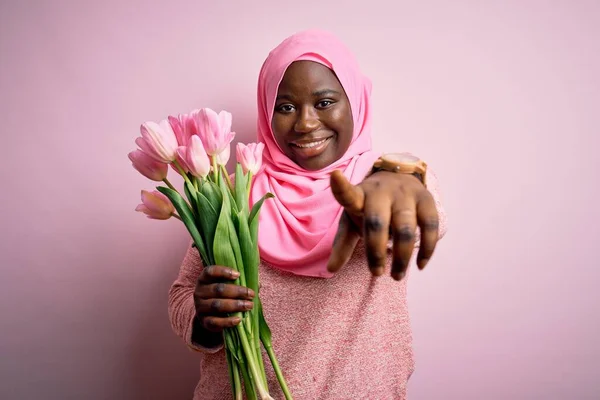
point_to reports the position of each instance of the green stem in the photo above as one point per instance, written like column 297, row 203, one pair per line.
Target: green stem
column 166, row 181
column 252, row 364
column 182, row 172
column 226, row 175
column 275, row 364
column 215, row 169
column 249, row 183
column 248, row 384
column 248, row 324
column 254, row 316
column 261, row 364
column 234, row 375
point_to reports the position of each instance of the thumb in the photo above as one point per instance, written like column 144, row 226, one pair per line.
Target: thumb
column 351, row 197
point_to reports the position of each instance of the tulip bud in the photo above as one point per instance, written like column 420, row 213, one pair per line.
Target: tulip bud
column 184, row 126
column 158, row 141
column 195, row 157
column 250, row 156
column 148, row 166
column 155, row 205
column 214, row 130
column 223, row 156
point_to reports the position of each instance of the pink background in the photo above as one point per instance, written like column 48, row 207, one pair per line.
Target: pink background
column 502, row 98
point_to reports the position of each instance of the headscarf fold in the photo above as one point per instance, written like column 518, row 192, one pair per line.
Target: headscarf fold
column 298, row 226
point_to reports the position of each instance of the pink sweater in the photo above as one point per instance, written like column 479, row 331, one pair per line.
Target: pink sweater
column 347, row 337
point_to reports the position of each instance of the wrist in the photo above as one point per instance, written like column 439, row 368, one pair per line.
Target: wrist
column 411, row 176
column 404, row 164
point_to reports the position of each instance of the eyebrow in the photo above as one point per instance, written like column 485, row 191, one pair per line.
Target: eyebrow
column 325, row 92
column 318, row 93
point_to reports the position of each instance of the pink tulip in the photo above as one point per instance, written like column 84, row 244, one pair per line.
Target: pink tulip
column 155, row 205
column 158, row 141
column 184, row 127
column 148, row 166
column 250, row 156
column 214, row 130
column 180, row 160
column 223, row 156
column 195, row 158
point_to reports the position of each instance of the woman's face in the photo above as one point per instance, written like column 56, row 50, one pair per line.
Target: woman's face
column 312, row 121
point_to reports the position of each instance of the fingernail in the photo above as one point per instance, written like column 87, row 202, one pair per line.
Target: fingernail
column 378, row 271
column 398, row 276
column 422, row 263
column 248, row 305
column 234, row 274
column 250, row 293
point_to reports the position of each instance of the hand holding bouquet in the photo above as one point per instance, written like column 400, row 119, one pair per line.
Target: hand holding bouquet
column 218, row 216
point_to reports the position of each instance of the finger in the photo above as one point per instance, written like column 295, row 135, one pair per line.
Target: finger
column 429, row 223
column 222, row 306
column 351, row 197
column 404, row 226
column 376, row 222
column 344, row 244
column 217, row 324
column 224, row 291
column 216, row 273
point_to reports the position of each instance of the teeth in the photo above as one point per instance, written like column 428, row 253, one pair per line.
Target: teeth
column 309, row 145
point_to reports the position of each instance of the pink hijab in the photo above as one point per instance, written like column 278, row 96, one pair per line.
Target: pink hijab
column 297, row 227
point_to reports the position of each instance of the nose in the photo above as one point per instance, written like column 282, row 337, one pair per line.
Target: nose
column 307, row 121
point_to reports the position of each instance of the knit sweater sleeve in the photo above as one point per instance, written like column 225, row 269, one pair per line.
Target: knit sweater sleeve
column 181, row 300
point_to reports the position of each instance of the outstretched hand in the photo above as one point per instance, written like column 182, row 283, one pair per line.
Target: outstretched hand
column 385, row 204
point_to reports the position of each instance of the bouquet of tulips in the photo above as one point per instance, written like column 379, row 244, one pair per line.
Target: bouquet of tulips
column 218, row 216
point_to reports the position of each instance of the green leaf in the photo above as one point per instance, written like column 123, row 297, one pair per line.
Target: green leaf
column 253, row 219
column 186, row 190
column 208, row 218
column 251, row 258
column 212, row 192
column 190, row 192
column 249, row 251
column 235, row 246
column 226, row 193
column 241, row 196
column 222, row 250
column 265, row 331
column 256, row 207
column 186, row 215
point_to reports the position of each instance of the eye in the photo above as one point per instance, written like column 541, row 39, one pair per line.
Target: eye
column 285, row 108
column 324, row 103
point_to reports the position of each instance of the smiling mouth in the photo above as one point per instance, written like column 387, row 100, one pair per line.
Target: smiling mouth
column 309, row 149
column 308, row 145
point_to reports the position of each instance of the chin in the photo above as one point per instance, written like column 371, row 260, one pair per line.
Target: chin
column 317, row 163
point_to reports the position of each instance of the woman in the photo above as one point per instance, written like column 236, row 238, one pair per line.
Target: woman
column 339, row 331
